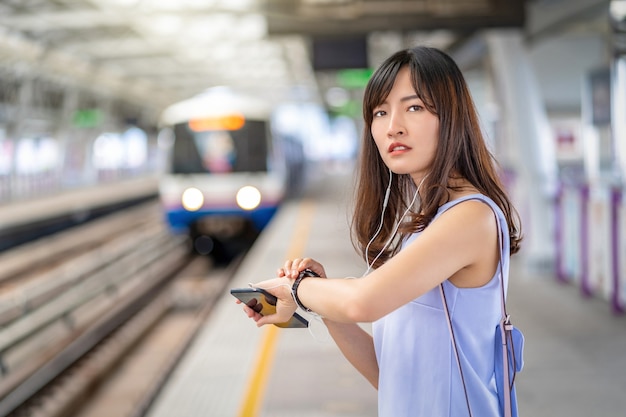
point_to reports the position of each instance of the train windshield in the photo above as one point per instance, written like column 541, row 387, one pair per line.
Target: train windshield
column 220, row 151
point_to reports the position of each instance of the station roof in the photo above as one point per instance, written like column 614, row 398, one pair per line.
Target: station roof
column 162, row 51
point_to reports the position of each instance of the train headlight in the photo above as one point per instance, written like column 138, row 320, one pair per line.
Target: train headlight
column 192, row 199
column 248, row 197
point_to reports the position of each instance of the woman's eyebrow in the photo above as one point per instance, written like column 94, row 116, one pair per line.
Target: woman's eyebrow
column 403, row 99
column 409, row 98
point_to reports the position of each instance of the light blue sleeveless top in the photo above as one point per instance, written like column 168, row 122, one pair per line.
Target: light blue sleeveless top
column 419, row 375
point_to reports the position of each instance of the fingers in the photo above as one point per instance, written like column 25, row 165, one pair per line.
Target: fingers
column 273, row 319
column 275, row 286
column 292, row 267
column 263, row 320
column 250, row 312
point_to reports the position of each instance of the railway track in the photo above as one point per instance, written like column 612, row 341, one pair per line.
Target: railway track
column 75, row 306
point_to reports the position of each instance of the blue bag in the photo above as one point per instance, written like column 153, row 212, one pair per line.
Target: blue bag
column 509, row 350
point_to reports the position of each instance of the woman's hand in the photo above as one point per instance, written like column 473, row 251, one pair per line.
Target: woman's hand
column 292, row 268
column 285, row 304
column 281, row 288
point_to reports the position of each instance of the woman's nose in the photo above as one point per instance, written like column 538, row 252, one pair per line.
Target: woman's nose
column 396, row 126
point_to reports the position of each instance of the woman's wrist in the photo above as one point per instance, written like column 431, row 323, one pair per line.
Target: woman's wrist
column 307, row 273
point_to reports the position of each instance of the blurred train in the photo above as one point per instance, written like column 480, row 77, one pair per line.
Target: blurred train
column 227, row 171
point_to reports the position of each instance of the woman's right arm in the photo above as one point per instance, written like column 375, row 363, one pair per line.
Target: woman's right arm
column 357, row 346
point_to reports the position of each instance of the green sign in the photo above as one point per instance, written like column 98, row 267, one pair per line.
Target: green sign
column 351, row 108
column 354, row 78
column 87, row 118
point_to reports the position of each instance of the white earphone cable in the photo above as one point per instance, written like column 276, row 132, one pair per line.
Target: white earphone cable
column 395, row 230
column 380, row 225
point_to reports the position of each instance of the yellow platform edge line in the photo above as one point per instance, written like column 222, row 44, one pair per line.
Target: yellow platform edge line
column 257, row 382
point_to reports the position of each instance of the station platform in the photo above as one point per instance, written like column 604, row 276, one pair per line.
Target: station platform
column 575, row 356
column 24, row 219
column 75, row 201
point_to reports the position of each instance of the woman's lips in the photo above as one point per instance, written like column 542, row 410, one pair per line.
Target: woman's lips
column 397, row 148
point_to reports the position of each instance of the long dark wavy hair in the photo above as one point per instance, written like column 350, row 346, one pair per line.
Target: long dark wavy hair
column 461, row 153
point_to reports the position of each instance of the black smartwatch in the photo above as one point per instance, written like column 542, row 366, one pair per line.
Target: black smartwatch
column 294, row 288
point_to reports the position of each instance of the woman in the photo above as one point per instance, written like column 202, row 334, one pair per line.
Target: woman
column 422, row 145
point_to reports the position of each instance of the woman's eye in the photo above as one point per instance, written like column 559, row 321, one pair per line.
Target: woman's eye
column 415, row 107
column 379, row 113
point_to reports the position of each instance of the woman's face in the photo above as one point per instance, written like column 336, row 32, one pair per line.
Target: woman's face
column 405, row 133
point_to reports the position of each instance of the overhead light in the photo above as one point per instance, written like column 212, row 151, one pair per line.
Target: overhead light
column 208, row 28
column 223, row 51
column 251, row 26
column 617, row 9
column 236, row 4
column 170, row 5
column 122, row 3
column 221, row 27
column 166, row 24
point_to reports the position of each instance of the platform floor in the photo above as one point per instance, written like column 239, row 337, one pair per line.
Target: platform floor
column 575, row 354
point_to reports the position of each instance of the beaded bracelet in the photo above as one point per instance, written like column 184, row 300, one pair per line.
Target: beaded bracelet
column 294, row 288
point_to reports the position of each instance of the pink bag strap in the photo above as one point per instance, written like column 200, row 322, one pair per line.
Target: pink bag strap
column 456, row 352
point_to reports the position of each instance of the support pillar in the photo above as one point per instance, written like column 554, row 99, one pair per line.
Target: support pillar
column 527, row 127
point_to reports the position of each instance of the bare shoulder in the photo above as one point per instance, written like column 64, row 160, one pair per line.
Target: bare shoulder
column 475, row 239
column 471, row 213
column 466, row 227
